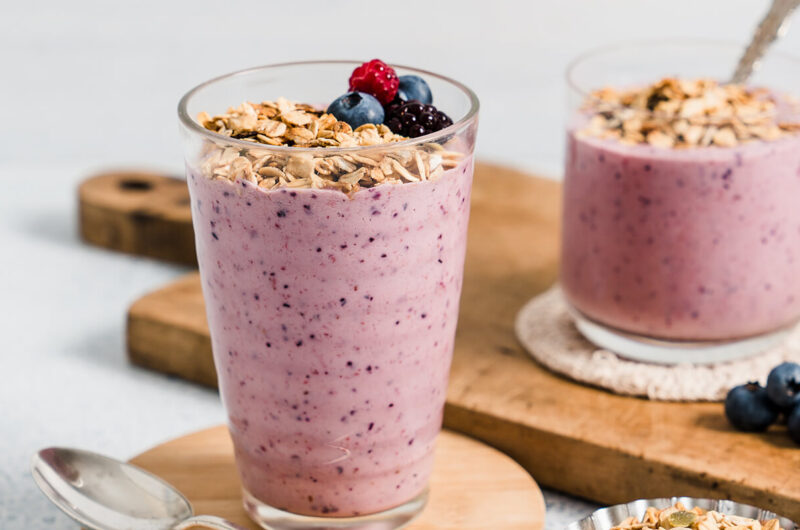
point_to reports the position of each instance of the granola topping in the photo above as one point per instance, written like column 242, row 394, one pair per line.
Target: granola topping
column 696, row 519
column 679, row 113
column 289, row 124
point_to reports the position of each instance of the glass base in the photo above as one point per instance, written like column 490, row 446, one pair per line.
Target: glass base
column 647, row 349
column 274, row 519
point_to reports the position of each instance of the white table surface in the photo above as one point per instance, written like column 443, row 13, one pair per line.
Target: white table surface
column 85, row 85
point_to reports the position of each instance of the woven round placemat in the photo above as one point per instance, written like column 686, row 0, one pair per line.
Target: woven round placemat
column 546, row 329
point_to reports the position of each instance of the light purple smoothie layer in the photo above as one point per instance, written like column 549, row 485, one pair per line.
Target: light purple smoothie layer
column 332, row 322
column 699, row 243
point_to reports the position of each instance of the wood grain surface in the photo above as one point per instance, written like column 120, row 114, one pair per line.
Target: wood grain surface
column 139, row 213
column 472, row 487
column 571, row 437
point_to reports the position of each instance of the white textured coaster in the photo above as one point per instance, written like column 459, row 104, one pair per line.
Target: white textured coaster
column 545, row 328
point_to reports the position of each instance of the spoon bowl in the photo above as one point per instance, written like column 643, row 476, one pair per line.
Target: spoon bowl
column 106, row 494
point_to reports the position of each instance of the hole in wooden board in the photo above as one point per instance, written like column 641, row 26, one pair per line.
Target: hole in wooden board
column 135, row 184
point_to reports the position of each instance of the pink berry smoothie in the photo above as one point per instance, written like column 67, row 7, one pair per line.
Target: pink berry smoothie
column 332, row 320
column 683, row 244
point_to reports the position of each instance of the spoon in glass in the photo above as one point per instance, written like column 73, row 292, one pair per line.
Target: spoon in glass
column 105, row 494
column 774, row 25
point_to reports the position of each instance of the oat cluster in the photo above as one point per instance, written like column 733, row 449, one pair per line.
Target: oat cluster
column 285, row 122
column 695, row 519
column 290, row 124
column 678, row 113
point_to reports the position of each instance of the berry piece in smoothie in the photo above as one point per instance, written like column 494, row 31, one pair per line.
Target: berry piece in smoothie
column 357, row 109
column 377, row 79
column 414, row 87
column 415, row 119
column 783, row 385
column 749, row 409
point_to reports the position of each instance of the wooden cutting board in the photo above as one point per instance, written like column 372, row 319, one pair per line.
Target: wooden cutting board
column 139, row 213
column 472, row 487
column 572, row 438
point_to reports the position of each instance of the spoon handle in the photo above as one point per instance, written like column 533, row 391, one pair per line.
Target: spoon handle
column 206, row 521
column 768, row 30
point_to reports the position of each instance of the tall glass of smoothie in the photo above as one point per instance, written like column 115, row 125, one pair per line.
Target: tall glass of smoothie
column 681, row 231
column 331, row 257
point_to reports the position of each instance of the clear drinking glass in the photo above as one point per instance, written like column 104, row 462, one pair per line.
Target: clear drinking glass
column 680, row 255
column 332, row 314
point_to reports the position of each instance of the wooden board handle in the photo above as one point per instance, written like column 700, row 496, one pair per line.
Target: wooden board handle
column 140, row 213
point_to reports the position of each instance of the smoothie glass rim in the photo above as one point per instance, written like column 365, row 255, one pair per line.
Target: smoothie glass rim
column 585, row 92
column 462, row 123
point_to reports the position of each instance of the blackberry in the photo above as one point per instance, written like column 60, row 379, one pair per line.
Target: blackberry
column 414, row 119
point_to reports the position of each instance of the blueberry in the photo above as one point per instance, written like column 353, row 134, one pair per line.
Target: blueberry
column 749, row 409
column 356, row 108
column 783, row 385
column 414, row 87
column 793, row 424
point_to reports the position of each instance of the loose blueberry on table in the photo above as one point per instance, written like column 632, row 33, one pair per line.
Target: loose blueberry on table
column 749, row 409
column 793, row 424
column 753, row 408
column 783, row 385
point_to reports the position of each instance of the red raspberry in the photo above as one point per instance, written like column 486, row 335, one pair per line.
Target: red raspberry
column 377, row 79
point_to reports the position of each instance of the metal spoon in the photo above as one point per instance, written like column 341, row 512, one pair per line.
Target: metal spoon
column 105, row 494
column 774, row 25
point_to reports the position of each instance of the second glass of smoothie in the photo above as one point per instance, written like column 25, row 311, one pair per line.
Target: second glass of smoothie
column 681, row 238
column 332, row 306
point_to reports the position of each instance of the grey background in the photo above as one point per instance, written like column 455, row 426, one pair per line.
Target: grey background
column 89, row 84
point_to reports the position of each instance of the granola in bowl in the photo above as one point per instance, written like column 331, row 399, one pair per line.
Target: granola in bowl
column 683, row 512
column 678, row 516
